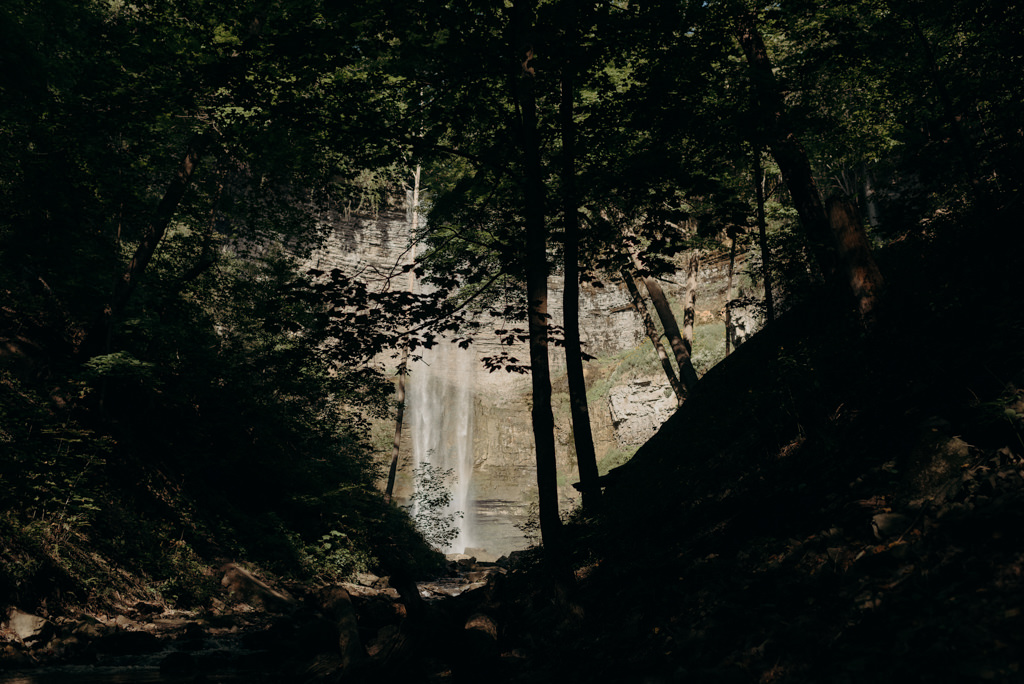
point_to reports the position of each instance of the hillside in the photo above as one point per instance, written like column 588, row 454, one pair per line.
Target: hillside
column 830, row 505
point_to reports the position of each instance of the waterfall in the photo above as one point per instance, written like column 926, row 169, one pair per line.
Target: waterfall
column 441, row 422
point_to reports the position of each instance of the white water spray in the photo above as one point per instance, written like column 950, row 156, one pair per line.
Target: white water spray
column 441, row 421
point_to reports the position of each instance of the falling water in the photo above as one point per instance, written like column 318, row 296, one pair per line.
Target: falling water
column 441, row 423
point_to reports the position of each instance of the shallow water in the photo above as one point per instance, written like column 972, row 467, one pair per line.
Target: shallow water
column 113, row 674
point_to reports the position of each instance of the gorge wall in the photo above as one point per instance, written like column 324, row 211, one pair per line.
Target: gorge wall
column 629, row 395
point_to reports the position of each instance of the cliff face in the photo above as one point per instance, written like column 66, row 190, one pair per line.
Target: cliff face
column 627, row 407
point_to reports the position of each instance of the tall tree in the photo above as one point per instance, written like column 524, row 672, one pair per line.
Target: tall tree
column 583, row 437
column 532, row 183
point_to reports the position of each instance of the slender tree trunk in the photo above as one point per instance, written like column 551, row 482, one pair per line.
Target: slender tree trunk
column 789, row 154
column 403, row 366
column 690, row 302
column 871, row 200
column 675, row 339
column 728, row 292
column 537, row 292
column 669, row 325
column 762, row 237
column 652, row 333
column 583, row 437
column 97, row 337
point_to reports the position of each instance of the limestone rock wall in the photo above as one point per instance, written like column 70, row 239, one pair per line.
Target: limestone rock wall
column 504, row 473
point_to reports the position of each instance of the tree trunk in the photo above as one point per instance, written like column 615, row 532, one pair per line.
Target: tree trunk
column 789, row 154
column 728, row 292
column 583, row 437
column 858, row 265
column 690, row 302
column 537, row 293
column 97, row 337
column 404, row 365
column 671, row 328
column 874, row 215
column 675, row 339
column 762, row 238
column 652, row 333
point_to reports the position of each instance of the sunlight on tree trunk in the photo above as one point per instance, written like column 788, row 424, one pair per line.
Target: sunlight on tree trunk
column 862, row 274
column 690, row 301
column 669, row 325
column 652, row 333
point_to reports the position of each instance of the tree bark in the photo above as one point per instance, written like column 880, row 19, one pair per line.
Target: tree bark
column 690, row 302
column 652, row 333
column 728, row 292
column 389, row 490
column 762, row 237
column 537, row 291
column 874, row 215
column 675, row 338
column 583, row 437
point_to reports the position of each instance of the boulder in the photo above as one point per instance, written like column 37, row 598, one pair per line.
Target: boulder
column 889, row 525
column 89, row 629
column 29, row 628
column 239, row 581
column 481, row 637
column 484, row 574
column 366, row 579
column 379, row 611
column 357, row 591
column 640, row 408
